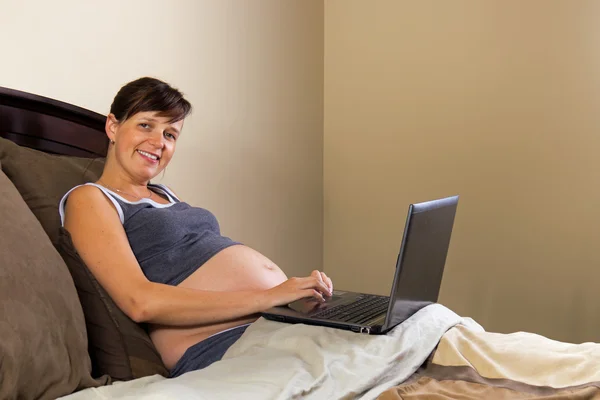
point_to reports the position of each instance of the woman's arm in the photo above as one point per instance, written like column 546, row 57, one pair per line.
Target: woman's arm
column 100, row 240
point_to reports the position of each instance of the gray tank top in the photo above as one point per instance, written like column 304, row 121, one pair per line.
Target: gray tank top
column 170, row 241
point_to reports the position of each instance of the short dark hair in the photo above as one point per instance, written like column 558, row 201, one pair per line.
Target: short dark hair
column 150, row 94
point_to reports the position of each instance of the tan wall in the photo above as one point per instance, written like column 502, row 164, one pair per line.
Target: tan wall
column 495, row 101
column 252, row 150
column 498, row 101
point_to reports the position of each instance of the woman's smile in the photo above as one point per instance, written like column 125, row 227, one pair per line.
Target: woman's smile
column 149, row 157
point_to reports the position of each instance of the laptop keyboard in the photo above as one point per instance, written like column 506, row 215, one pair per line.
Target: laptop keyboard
column 364, row 309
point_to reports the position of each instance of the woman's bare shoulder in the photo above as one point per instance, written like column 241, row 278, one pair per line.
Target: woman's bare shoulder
column 88, row 203
column 82, row 191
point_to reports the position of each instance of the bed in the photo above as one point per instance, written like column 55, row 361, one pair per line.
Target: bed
column 63, row 337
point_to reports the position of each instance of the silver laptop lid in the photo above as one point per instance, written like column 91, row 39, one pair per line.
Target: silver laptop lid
column 422, row 257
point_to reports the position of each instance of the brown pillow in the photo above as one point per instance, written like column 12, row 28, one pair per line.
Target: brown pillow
column 42, row 179
column 118, row 346
column 43, row 342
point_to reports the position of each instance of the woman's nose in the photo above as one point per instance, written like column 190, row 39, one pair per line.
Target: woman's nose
column 156, row 141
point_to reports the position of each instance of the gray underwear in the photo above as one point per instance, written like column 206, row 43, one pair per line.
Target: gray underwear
column 206, row 352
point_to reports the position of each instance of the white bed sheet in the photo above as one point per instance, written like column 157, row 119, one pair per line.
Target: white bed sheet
column 275, row 360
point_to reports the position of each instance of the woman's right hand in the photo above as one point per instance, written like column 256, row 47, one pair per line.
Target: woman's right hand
column 317, row 285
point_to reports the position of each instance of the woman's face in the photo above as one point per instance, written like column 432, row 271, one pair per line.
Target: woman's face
column 144, row 143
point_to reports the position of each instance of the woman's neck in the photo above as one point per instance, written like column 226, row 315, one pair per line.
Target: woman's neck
column 125, row 185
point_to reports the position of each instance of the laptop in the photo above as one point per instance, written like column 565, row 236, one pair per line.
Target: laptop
column 417, row 280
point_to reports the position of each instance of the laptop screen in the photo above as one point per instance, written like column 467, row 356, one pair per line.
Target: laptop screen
column 422, row 257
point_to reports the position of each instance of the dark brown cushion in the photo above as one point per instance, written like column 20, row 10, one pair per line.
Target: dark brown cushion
column 42, row 179
column 43, row 342
column 119, row 347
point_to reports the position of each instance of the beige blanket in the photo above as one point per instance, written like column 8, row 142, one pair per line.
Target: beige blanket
column 469, row 364
column 279, row 361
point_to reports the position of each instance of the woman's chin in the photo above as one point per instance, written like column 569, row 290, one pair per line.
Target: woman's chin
column 151, row 171
column 147, row 175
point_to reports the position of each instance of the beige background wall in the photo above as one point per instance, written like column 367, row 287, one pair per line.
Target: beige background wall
column 252, row 150
column 497, row 101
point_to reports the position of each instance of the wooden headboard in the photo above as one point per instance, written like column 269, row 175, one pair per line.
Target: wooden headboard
column 51, row 125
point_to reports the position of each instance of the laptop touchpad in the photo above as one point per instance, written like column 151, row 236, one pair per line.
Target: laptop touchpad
column 310, row 305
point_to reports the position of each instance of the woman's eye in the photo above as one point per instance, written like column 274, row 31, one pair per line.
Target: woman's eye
column 144, row 125
column 170, row 135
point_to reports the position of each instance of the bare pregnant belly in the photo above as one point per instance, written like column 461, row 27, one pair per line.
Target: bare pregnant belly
column 235, row 268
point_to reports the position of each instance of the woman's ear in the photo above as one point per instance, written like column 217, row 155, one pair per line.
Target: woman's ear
column 111, row 127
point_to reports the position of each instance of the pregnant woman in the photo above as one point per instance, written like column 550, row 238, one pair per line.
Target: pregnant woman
column 163, row 261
